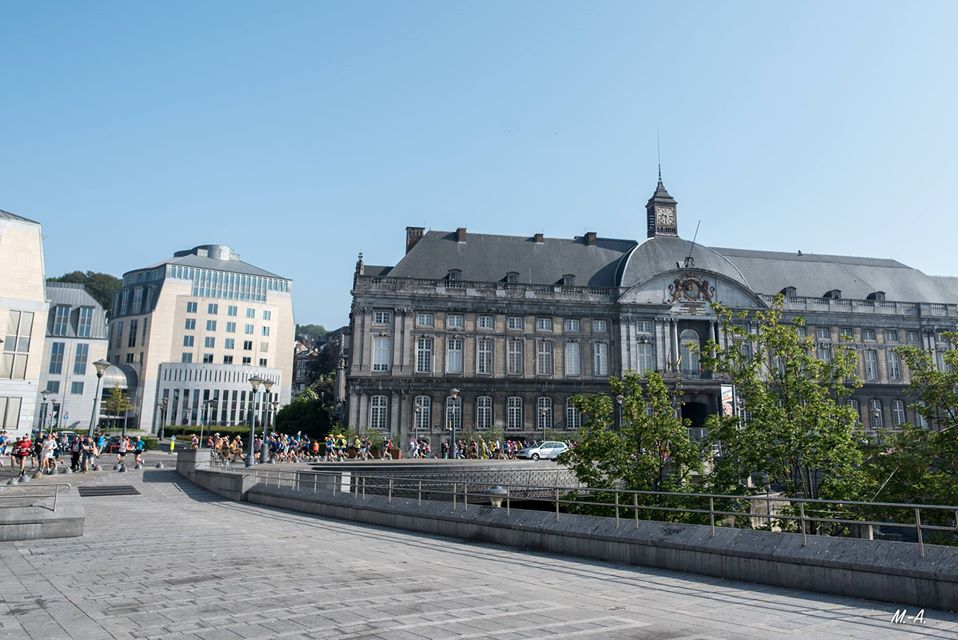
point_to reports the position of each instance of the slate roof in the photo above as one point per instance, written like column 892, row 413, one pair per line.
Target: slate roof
column 6, row 215
column 812, row 275
column 204, row 262
column 75, row 295
column 487, row 258
column 661, row 253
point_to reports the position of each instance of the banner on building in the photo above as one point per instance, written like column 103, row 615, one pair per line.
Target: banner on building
column 728, row 400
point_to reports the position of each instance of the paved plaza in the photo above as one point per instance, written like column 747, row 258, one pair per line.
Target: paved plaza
column 179, row 562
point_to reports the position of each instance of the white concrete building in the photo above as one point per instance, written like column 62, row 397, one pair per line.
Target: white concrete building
column 194, row 329
column 76, row 337
column 23, row 319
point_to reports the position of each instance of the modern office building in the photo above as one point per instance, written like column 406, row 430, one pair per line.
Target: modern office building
column 520, row 325
column 195, row 328
column 23, row 317
column 76, row 337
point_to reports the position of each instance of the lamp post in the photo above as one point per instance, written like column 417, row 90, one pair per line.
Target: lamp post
column 101, row 367
column 161, row 409
column 263, row 449
column 43, row 410
column 453, row 445
column 209, row 405
column 254, row 382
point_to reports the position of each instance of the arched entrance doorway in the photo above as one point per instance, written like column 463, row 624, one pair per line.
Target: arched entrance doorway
column 696, row 413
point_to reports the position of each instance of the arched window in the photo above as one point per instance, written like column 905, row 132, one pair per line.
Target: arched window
column 572, row 418
column 689, row 350
column 453, row 413
column 423, row 413
column 514, row 413
column 484, row 412
column 544, row 413
column 377, row 413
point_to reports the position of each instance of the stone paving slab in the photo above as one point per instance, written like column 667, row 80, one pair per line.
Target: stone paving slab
column 177, row 562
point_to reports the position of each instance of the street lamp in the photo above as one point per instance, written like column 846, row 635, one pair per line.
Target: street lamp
column 43, row 412
column 453, row 445
column 255, row 381
column 101, row 367
column 263, row 449
column 209, row 405
column 161, row 407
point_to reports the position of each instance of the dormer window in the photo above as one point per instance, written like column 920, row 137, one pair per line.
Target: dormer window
column 454, row 274
column 789, row 292
column 568, row 280
column 512, row 277
column 833, row 294
column 877, row 296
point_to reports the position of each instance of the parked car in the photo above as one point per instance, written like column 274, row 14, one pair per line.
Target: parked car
column 548, row 450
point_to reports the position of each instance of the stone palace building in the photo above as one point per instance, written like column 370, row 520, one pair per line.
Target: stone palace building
column 520, row 325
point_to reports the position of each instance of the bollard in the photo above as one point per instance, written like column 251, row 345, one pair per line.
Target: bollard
column 97, row 467
column 116, row 467
column 122, row 468
column 159, row 465
column 24, row 478
column 66, row 470
column 13, row 481
column 390, row 490
column 138, row 465
column 50, row 471
column 38, row 475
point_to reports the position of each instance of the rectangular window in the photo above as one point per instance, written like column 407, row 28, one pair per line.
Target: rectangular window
column 186, row 357
column 646, row 357
column 875, row 418
column 871, row 365
column 453, row 413
column 424, row 355
column 248, row 329
column 190, row 324
column 57, row 350
column 599, row 326
column 229, row 343
column 129, row 357
column 544, row 358
column 207, row 358
column 868, row 335
column 10, row 413
column 209, row 342
column 514, row 356
column 131, row 337
column 262, row 362
column 912, row 337
column 425, row 320
column 247, row 360
column 76, row 388
column 247, row 345
column 486, row 322
column 16, row 346
column 894, row 366
column 232, row 310
column 423, row 412
column 80, row 359
column 600, row 359
column 382, row 353
column 823, row 333
column 514, row 323
column 53, row 386
column 250, row 312
column 891, row 335
column 543, row 324
column 848, row 333
column 382, row 317
column 544, row 413
column 85, row 322
column 898, row 412
column 212, row 308
column 800, row 331
column 191, row 307
column 644, row 326
column 484, row 412
column 230, row 327
column 454, row 355
column 137, row 299
column 267, row 314
column 454, row 321
column 211, row 325
column 514, row 413
column 187, row 341
column 572, row 418
column 572, row 325
column 824, row 353
column 484, row 351
column 378, row 413
column 227, row 359
column 61, row 319
column 265, row 331
column 573, row 359
column 124, row 301
column 264, row 346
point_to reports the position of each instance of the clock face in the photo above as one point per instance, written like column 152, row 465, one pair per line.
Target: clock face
column 665, row 215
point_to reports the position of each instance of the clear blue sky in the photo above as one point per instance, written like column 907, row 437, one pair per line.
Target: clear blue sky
column 301, row 133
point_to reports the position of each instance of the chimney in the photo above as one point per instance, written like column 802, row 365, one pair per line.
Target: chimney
column 538, row 238
column 413, row 235
column 461, row 234
column 590, row 238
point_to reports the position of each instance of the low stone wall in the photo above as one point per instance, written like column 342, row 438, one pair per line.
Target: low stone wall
column 35, row 523
column 193, row 464
column 872, row 569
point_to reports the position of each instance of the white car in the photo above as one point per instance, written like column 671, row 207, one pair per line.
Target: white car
column 548, row 450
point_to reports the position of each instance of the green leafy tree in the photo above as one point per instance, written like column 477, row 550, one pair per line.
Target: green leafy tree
column 102, row 286
column 794, row 427
column 310, row 411
column 650, row 450
column 117, row 402
column 312, row 331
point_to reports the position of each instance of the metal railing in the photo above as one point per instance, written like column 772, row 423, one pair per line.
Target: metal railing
column 19, row 494
column 807, row 516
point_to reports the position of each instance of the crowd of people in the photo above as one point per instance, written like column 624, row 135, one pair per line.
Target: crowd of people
column 48, row 452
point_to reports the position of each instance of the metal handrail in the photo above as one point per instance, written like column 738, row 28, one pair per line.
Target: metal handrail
column 14, row 494
column 360, row 483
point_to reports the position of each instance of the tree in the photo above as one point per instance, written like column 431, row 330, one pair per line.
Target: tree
column 117, row 403
column 794, row 426
column 650, row 450
column 310, row 411
column 102, row 286
column 312, row 331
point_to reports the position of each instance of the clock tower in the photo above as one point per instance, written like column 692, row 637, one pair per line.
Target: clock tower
column 661, row 212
